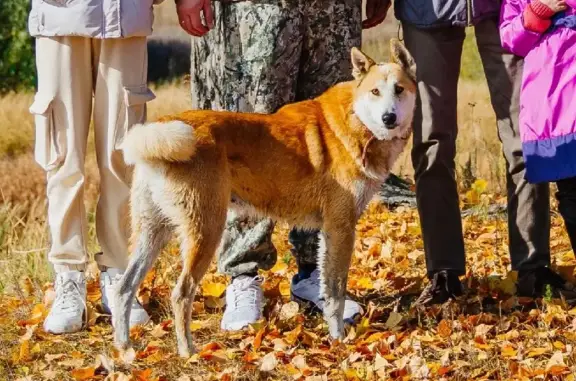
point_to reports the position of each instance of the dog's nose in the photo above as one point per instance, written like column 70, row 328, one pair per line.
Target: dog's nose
column 389, row 119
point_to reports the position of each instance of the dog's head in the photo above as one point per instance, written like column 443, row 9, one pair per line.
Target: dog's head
column 385, row 96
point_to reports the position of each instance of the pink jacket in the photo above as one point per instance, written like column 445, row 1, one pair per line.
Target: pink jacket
column 548, row 96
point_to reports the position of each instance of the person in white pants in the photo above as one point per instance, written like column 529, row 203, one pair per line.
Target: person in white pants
column 91, row 58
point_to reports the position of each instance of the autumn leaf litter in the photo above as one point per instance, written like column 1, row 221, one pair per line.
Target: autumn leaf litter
column 487, row 334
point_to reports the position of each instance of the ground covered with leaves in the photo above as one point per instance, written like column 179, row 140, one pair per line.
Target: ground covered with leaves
column 488, row 334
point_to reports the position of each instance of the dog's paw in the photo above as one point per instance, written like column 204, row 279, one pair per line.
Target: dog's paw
column 127, row 355
column 186, row 352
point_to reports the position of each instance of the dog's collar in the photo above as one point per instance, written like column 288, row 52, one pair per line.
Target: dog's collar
column 370, row 140
column 365, row 149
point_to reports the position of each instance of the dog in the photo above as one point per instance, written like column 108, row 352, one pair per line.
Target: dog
column 315, row 164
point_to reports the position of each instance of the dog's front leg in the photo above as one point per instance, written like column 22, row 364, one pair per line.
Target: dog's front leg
column 336, row 247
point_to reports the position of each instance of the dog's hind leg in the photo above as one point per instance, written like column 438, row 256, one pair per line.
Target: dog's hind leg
column 150, row 235
column 200, row 237
column 335, row 252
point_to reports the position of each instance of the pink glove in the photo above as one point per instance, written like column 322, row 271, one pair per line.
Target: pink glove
column 571, row 3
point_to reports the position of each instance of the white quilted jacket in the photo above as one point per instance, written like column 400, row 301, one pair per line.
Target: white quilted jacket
column 91, row 18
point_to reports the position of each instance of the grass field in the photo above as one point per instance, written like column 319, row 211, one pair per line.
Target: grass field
column 488, row 335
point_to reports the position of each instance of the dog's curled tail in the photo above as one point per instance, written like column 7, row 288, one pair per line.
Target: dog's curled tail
column 172, row 141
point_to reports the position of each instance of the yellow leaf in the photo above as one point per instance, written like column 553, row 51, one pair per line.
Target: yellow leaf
column 365, row 283
column 472, row 197
column 279, row 268
column 35, row 349
column 508, row 351
column 83, row 373
column 374, row 337
column 482, row 345
column 284, row 287
column 24, row 354
column 537, row 352
column 196, row 325
column 480, row 186
column 213, row 289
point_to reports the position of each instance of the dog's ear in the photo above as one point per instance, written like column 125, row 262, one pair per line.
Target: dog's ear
column 401, row 56
column 361, row 63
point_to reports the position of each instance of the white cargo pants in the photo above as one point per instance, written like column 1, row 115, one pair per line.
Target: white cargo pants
column 76, row 76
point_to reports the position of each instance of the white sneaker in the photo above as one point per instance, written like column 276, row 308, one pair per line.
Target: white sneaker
column 108, row 281
column 68, row 313
column 243, row 303
column 307, row 291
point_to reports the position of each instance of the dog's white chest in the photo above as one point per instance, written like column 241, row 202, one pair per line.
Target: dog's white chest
column 364, row 190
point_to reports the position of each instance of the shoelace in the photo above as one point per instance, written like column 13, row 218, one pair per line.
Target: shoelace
column 65, row 300
column 245, row 295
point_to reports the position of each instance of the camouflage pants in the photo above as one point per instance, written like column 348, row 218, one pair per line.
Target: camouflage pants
column 259, row 56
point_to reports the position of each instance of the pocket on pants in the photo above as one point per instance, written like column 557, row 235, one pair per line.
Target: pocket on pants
column 135, row 99
column 50, row 140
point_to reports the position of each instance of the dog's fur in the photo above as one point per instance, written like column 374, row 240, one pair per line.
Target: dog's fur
column 315, row 164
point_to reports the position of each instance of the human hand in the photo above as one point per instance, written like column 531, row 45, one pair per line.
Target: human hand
column 376, row 11
column 555, row 5
column 189, row 16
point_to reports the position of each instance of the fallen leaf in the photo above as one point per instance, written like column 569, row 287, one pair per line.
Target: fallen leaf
column 289, row 310
column 508, row 351
column 537, row 352
column 269, row 362
column 142, row 375
column 393, row 320
column 444, row 328
column 556, row 365
column 258, row 338
column 380, row 362
column 49, row 374
column 213, row 289
column 72, row 363
column 26, row 286
column 214, row 302
column 50, row 358
column 299, row 362
column 83, row 373
column 158, row 331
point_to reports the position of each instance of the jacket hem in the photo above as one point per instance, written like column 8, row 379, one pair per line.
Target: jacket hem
column 448, row 23
column 550, row 160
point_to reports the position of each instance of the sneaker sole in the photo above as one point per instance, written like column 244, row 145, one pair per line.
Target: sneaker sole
column 311, row 307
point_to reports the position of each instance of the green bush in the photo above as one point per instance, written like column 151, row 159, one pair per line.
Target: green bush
column 17, row 67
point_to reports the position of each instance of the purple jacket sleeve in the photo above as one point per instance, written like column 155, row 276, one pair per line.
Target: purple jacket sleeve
column 515, row 38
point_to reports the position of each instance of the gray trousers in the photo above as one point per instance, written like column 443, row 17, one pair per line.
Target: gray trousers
column 260, row 56
column 438, row 53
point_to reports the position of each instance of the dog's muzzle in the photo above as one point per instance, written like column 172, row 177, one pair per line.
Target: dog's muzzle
column 389, row 119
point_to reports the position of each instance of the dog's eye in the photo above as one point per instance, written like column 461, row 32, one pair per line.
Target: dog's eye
column 376, row 92
column 398, row 89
